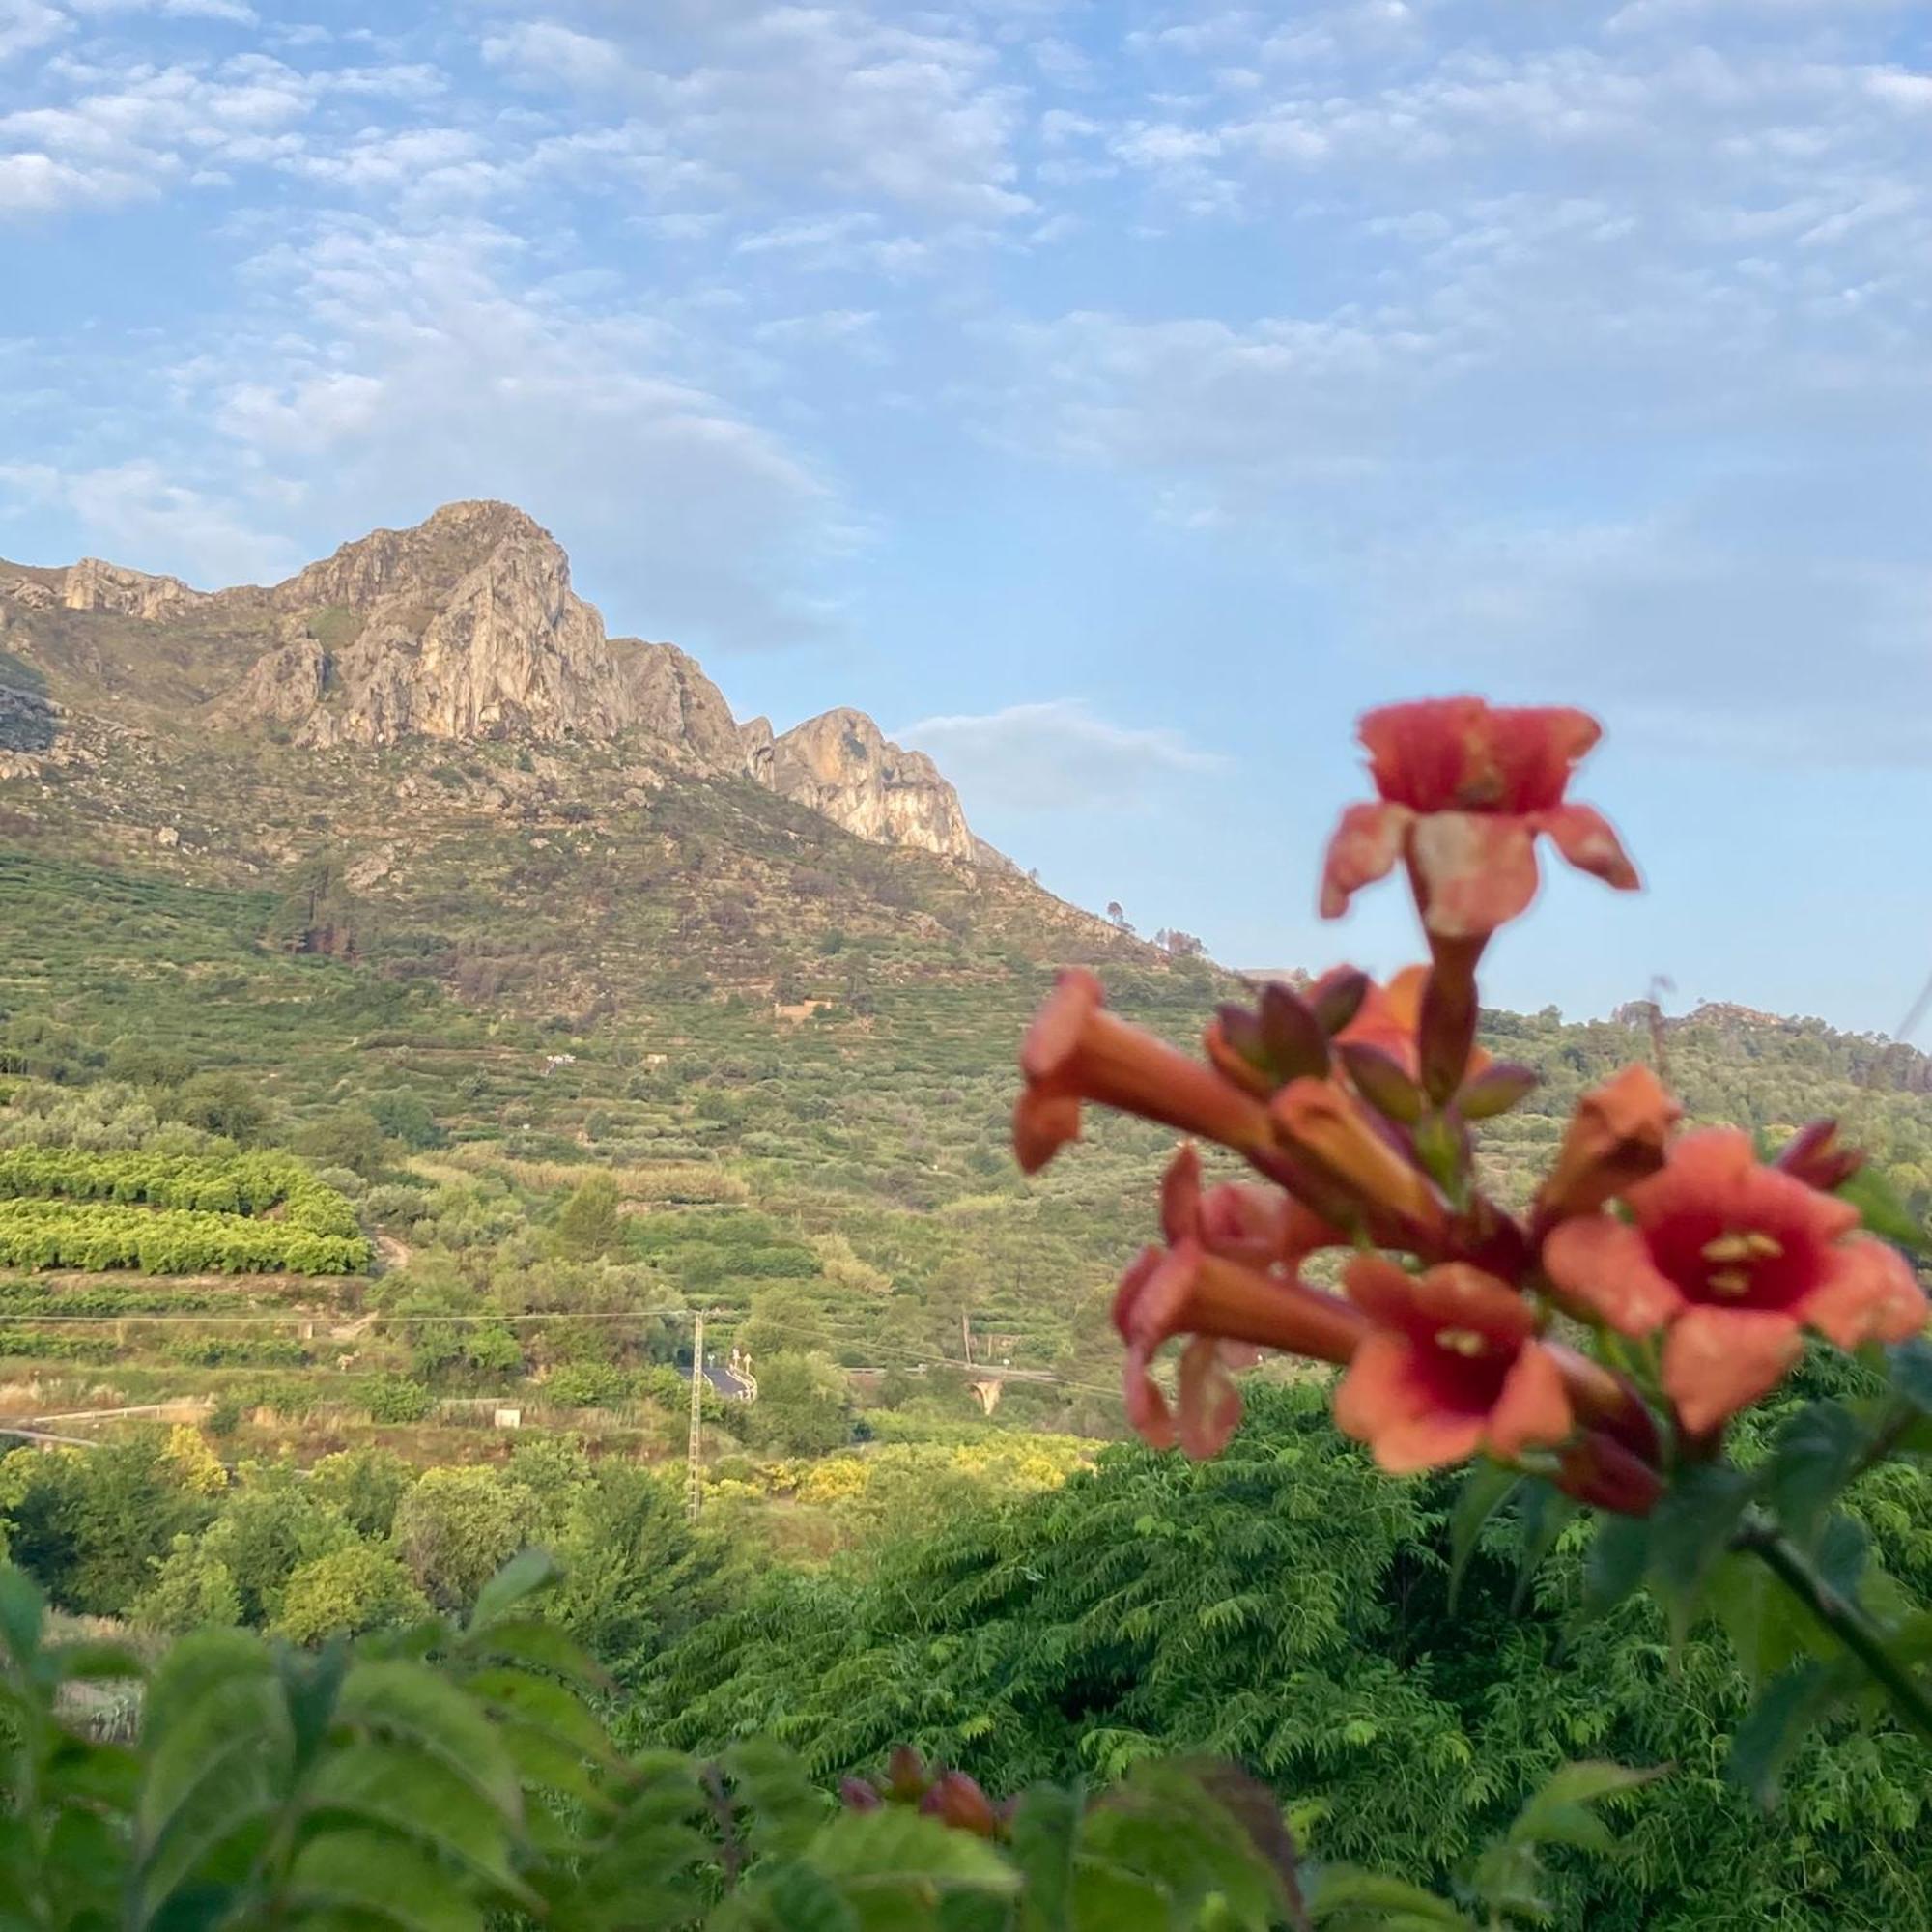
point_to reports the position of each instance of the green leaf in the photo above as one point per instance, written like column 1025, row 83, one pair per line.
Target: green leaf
column 1487, row 1487
column 530, row 1641
column 411, row 1701
column 1109, row 1899
column 415, row 1797
column 1559, row 1812
column 21, row 1609
column 541, row 1704
column 1689, row 1534
column 789, row 1898
column 1618, row 1554
column 521, row 1577
column 370, row 1873
column 1882, row 1210
column 1545, row 1512
column 785, row 1808
column 901, row 1846
column 1816, row 1454
column 1346, row 1898
column 1911, row 1365
column 1045, row 1834
column 1776, row 1724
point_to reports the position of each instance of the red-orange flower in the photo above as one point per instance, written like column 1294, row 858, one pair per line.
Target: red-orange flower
column 1325, row 1124
column 1075, row 1050
column 1616, row 1138
column 1733, row 1259
column 1465, row 790
column 1450, row 1364
column 1225, row 1279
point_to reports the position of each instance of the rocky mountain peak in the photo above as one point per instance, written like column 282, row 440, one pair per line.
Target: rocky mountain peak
column 842, row 764
column 464, row 626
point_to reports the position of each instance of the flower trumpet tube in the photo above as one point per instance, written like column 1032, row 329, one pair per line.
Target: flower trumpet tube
column 1817, row 1155
column 1076, row 1051
column 1464, row 792
column 1185, row 1290
column 1617, row 1137
column 1732, row 1261
column 1326, row 1124
column 1599, row 1470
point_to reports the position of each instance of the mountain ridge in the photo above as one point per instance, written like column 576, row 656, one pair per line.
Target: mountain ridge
column 464, row 627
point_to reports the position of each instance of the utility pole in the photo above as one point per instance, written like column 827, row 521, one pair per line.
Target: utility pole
column 966, row 1335
column 691, row 1482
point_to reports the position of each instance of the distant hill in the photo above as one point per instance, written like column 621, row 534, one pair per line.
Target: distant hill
column 409, row 837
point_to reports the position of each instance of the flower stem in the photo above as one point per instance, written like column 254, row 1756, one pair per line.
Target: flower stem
column 1844, row 1618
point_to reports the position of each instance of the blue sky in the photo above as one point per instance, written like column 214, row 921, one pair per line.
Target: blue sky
column 1112, row 399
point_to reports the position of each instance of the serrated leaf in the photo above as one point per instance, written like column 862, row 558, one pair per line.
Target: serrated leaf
column 1487, row 1488
column 785, row 1806
column 1109, row 1899
column 1546, row 1511
column 21, row 1609
column 542, row 1704
column 792, row 1898
column 1557, row 1812
column 415, row 1797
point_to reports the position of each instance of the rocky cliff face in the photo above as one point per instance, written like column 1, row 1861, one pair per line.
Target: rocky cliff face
column 465, row 627
column 840, row 763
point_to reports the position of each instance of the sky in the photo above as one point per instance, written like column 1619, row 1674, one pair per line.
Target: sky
column 1113, row 400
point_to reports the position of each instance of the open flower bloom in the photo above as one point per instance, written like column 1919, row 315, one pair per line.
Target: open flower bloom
column 1450, row 1364
column 1616, row 1138
column 1075, row 1051
column 1465, row 790
column 1216, row 1300
column 1733, row 1259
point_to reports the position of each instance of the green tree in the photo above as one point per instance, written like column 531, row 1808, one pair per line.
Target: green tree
column 588, row 1225
column 357, row 1587
column 351, row 1137
column 785, row 1316
column 363, row 1485
column 220, row 1103
column 803, row 1406
column 192, row 1587
column 457, row 1527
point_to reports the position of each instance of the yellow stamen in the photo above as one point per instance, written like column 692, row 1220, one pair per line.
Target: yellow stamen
column 1730, row 1281
column 1728, row 1249
column 1763, row 1247
column 1464, row 1342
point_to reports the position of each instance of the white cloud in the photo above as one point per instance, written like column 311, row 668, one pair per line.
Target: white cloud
column 389, row 370
column 134, row 513
column 27, row 24
column 1055, row 756
column 838, row 100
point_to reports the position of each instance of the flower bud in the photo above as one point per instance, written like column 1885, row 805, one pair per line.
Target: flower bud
column 1819, row 1158
column 1382, row 1082
column 1496, row 1090
column 956, row 1800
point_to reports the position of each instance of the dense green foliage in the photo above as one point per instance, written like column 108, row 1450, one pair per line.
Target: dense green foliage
column 166, row 1240
column 455, row 1774
column 1290, row 1608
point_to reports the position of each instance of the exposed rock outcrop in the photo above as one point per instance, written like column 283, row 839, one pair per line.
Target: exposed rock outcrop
column 467, row 627
column 94, row 585
column 842, row 764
